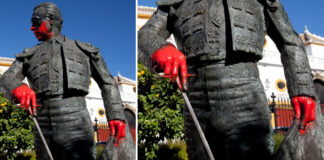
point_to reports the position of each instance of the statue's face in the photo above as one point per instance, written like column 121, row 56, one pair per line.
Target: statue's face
column 42, row 25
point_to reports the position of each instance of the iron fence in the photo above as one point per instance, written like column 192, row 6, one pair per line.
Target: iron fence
column 282, row 113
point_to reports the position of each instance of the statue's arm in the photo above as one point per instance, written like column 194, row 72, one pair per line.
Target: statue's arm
column 109, row 89
column 12, row 78
column 293, row 54
column 153, row 35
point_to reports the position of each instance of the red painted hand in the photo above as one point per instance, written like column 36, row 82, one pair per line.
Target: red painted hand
column 26, row 97
column 307, row 106
column 120, row 127
column 171, row 60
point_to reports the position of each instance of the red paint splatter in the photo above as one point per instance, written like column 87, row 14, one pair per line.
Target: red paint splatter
column 43, row 32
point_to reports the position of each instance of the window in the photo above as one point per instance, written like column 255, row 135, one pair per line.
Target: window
column 281, row 85
column 101, row 112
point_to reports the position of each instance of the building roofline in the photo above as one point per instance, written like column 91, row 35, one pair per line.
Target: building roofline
column 309, row 38
column 145, row 12
column 5, row 61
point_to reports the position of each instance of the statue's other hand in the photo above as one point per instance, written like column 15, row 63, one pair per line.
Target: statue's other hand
column 119, row 126
column 170, row 60
column 304, row 111
column 26, row 97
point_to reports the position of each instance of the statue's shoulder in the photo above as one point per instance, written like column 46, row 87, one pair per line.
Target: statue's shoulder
column 87, row 47
column 27, row 52
column 164, row 3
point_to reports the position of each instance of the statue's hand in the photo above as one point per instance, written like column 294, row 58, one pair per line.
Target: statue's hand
column 169, row 60
column 26, row 97
column 119, row 126
column 306, row 105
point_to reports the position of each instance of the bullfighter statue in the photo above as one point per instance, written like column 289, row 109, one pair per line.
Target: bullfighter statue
column 220, row 42
column 58, row 71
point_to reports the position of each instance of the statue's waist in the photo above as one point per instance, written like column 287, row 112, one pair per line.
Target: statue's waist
column 223, row 57
column 55, row 85
column 67, row 93
column 61, row 105
column 216, row 49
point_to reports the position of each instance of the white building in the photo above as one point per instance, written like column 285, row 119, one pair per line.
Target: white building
column 271, row 70
column 126, row 86
column 127, row 89
column 270, row 67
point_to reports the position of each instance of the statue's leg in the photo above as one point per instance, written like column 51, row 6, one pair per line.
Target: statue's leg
column 235, row 109
column 40, row 150
column 195, row 147
column 198, row 97
column 44, row 123
column 239, row 109
column 72, row 129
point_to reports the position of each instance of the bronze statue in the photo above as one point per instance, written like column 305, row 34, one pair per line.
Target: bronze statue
column 220, row 41
column 58, row 72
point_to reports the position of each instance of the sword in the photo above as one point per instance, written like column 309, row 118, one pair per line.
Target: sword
column 41, row 135
column 194, row 117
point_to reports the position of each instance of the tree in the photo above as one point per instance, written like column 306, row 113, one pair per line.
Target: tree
column 159, row 111
column 15, row 129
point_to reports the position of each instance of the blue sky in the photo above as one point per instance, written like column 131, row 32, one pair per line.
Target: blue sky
column 108, row 25
column 301, row 13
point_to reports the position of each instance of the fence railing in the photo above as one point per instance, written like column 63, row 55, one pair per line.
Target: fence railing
column 102, row 132
column 282, row 113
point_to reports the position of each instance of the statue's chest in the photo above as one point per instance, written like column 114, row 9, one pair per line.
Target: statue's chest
column 45, row 69
column 207, row 27
column 199, row 27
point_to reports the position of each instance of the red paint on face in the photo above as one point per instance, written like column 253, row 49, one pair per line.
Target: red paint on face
column 43, row 32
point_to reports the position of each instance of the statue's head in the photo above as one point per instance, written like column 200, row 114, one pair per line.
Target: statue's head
column 46, row 21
